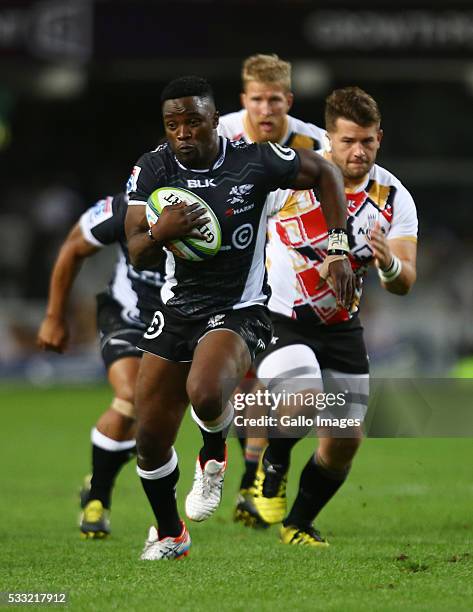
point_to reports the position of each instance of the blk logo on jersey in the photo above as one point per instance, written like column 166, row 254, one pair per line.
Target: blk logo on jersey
column 200, row 183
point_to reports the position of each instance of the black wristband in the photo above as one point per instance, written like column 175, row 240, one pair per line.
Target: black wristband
column 336, row 252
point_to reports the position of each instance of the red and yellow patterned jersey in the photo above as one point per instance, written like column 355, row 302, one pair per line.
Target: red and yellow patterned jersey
column 297, row 243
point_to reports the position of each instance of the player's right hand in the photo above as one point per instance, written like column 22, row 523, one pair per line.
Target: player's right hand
column 179, row 220
column 53, row 335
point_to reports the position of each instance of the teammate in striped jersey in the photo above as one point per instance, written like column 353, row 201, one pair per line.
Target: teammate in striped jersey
column 121, row 319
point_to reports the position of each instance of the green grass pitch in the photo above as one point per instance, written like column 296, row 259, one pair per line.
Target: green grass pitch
column 401, row 529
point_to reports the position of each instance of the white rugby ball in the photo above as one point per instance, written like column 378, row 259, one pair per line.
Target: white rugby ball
column 192, row 249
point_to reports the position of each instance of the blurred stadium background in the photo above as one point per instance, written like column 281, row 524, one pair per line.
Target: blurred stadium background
column 79, row 102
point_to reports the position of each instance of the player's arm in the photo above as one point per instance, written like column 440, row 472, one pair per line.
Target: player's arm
column 53, row 333
column 145, row 244
column 326, row 180
column 395, row 260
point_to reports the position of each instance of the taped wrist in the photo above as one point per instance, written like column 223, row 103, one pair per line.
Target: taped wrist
column 392, row 271
column 337, row 241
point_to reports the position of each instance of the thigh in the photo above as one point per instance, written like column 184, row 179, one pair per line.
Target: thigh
column 221, row 359
column 122, row 375
column 226, row 345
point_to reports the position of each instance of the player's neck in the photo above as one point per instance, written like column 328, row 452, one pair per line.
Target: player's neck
column 353, row 185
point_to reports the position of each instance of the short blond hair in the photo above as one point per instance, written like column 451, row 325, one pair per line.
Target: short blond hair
column 266, row 69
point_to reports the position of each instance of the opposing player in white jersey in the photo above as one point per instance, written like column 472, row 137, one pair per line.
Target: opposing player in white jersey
column 317, row 345
column 266, row 100
column 121, row 319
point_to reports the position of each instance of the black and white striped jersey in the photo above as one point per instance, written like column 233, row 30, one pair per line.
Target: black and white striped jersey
column 236, row 189
column 136, row 290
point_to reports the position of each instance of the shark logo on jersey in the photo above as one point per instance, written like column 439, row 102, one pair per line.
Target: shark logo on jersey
column 283, row 152
column 238, row 193
column 216, row 320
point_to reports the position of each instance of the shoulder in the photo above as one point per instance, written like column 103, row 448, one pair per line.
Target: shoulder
column 231, row 125
column 383, row 177
column 303, row 132
column 155, row 158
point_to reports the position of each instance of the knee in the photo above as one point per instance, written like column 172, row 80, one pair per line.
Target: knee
column 206, row 399
column 126, row 392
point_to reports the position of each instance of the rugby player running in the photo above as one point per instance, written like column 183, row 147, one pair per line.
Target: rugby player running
column 214, row 317
column 121, row 319
column 317, row 346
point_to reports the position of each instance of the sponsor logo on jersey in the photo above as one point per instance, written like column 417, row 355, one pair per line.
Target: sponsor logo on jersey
column 283, row 152
column 133, row 180
column 242, row 236
column 196, row 183
column 238, row 211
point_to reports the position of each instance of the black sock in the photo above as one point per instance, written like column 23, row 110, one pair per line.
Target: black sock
column 105, row 466
column 249, row 474
column 214, row 446
column 279, row 450
column 161, row 494
column 317, row 486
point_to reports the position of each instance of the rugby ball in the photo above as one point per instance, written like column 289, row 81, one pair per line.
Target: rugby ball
column 192, row 249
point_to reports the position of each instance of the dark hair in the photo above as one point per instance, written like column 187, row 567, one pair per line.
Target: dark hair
column 351, row 103
column 186, row 86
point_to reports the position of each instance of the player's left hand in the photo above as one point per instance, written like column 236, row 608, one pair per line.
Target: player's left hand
column 381, row 251
column 343, row 282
